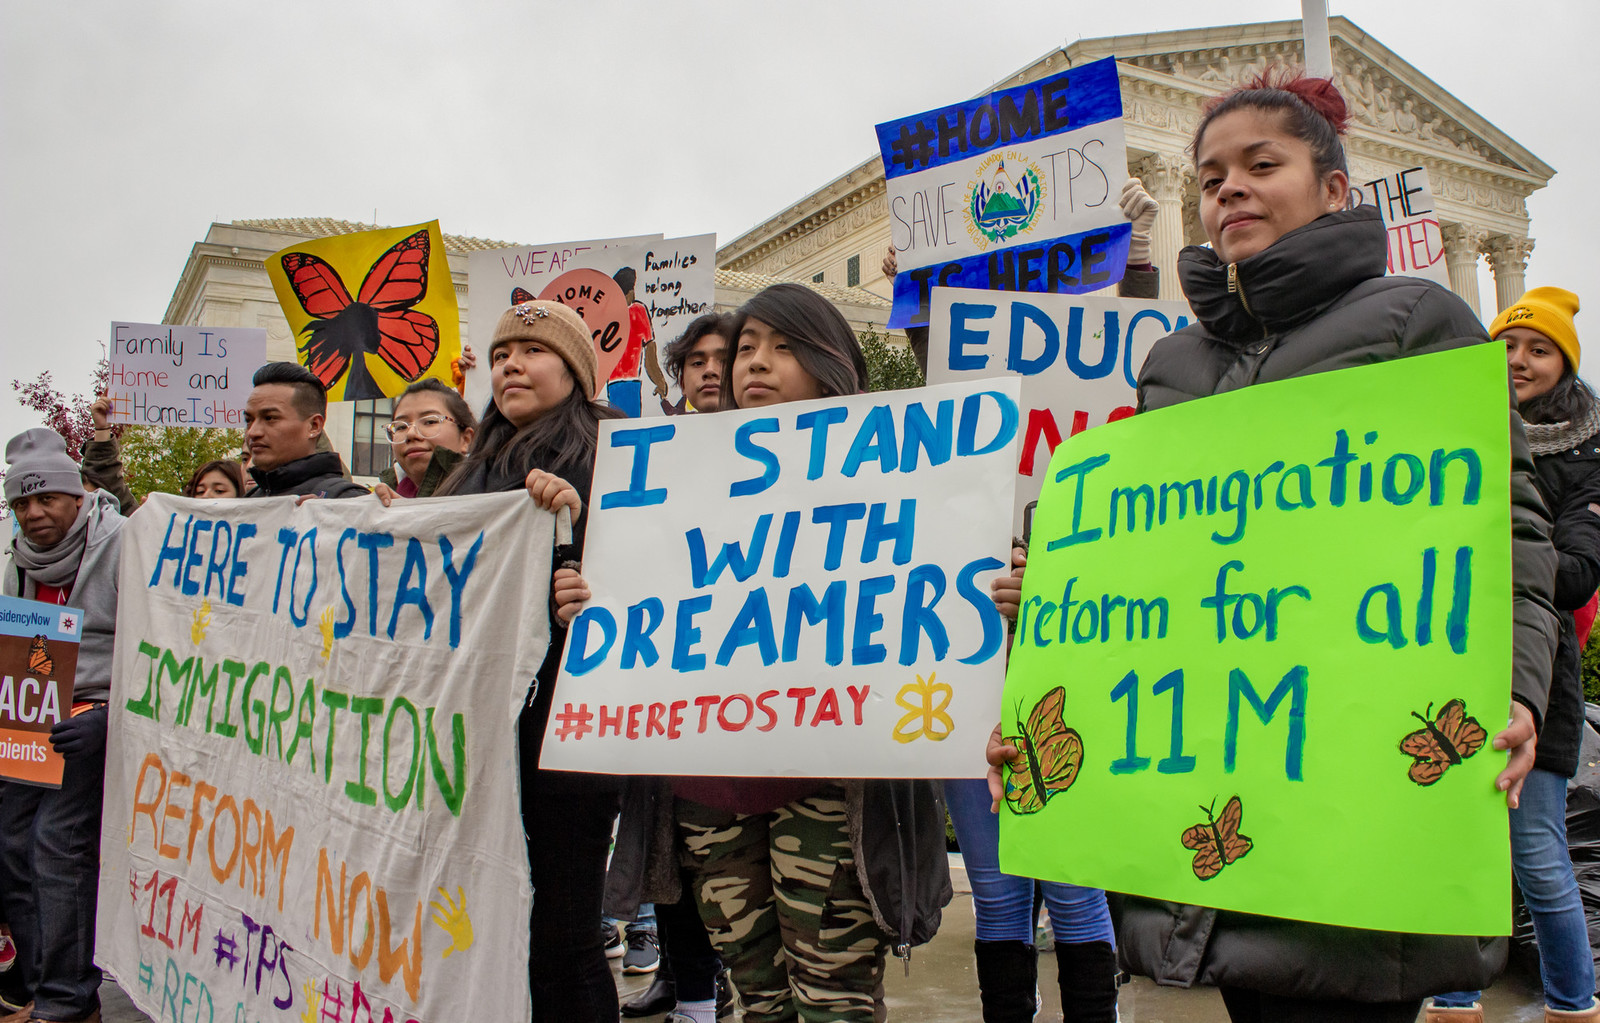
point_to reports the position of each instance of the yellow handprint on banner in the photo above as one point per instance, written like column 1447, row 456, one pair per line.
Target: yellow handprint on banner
column 326, row 624
column 202, row 619
column 452, row 918
column 925, row 702
column 310, row 1015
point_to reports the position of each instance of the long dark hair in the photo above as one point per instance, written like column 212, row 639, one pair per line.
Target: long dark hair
column 1313, row 109
column 454, row 403
column 818, row 335
column 227, row 466
column 562, row 440
column 1569, row 401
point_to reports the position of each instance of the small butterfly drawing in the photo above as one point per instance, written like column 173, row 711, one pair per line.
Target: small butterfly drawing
column 39, row 660
column 1051, row 755
column 1442, row 742
column 521, row 295
column 1217, row 842
column 380, row 320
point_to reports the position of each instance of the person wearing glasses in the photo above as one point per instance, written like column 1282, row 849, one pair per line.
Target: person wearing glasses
column 430, row 430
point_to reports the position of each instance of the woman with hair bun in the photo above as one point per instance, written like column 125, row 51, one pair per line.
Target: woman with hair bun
column 1293, row 284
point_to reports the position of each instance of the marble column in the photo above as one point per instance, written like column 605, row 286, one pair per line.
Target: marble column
column 1462, row 243
column 1508, row 258
column 1164, row 175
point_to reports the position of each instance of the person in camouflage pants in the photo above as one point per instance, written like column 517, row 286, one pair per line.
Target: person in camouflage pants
column 781, row 898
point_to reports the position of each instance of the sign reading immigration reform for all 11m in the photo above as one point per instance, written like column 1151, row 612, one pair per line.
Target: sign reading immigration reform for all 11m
column 1012, row 191
column 169, row 375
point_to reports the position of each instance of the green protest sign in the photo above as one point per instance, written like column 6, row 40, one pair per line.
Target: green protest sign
column 1264, row 640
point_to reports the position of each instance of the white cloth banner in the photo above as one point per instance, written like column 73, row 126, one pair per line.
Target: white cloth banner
column 311, row 805
column 1079, row 358
column 166, row 375
column 799, row 590
column 1416, row 244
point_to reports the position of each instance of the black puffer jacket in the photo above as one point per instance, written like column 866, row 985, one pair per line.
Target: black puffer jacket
column 1569, row 479
column 1318, row 300
column 319, row 475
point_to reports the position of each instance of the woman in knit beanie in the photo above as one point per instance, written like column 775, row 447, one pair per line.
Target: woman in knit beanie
column 1563, row 422
column 539, row 431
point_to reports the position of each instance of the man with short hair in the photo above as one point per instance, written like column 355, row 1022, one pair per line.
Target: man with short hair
column 697, row 360
column 283, row 419
column 65, row 552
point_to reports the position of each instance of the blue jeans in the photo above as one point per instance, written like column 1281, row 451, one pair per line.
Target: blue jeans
column 1543, row 866
column 643, row 922
column 1003, row 903
column 49, row 872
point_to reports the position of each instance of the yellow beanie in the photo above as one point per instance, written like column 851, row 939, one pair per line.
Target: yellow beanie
column 1550, row 312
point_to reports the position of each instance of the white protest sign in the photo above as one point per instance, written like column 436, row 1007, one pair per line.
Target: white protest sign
column 173, row 375
column 569, row 272
column 1079, row 358
column 677, row 283
column 311, row 790
column 799, row 590
column 1416, row 245
column 1012, row 191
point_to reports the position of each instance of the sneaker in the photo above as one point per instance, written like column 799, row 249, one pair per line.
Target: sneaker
column 644, row 953
column 616, row 948
column 724, row 994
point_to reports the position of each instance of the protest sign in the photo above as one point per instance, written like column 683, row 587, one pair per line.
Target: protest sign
column 678, row 282
column 169, row 375
column 1012, row 191
column 373, row 311
column 311, row 779
column 576, row 274
column 1264, row 639
column 1078, row 357
column 1405, row 198
column 38, row 659
column 799, row 590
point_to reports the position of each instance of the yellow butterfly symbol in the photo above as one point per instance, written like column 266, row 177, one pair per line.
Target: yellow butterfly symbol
column 925, row 702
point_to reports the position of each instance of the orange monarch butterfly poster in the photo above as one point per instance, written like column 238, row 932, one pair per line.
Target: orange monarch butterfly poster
column 1265, row 644
column 38, row 658
column 371, row 312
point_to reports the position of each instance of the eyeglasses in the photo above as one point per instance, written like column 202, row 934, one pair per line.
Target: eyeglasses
column 427, row 427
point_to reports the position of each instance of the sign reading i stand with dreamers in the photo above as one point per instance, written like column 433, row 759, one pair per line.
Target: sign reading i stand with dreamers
column 1078, row 357
column 1278, row 622
column 799, row 590
column 170, row 375
column 1012, row 191
column 38, row 661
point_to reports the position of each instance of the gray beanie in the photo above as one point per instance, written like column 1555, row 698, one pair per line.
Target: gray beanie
column 38, row 463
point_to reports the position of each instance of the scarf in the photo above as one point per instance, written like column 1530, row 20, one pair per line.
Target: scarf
column 1549, row 438
column 56, row 565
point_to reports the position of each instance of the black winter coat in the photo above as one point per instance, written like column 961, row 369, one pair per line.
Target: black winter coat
column 1318, row 300
column 1570, row 483
column 321, row 475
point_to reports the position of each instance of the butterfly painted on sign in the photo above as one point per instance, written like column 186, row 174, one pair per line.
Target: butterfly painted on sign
column 39, row 660
column 380, row 320
column 1051, row 755
column 1217, row 842
column 1442, row 742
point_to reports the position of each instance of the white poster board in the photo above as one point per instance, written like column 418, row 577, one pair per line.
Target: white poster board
column 1416, row 244
column 801, row 590
column 677, row 283
column 1078, row 357
column 311, row 778
column 174, row 375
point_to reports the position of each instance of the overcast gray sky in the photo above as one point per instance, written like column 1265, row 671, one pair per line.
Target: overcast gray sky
column 126, row 129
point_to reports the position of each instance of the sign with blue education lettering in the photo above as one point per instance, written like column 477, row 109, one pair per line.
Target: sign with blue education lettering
column 799, row 590
column 1011, row 191
column 1078, row 356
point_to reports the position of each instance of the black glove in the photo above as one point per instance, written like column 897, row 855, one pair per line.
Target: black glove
column 81, row 736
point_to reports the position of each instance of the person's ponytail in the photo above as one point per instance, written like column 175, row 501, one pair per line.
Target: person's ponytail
column 1314, row 111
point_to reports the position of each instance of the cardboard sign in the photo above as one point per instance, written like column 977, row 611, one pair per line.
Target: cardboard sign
column 38, row 661
column 1012, row 191
column 677, row 283
column 1265, row 638
column 311, row 780
column 372, row 312
column 1078, row 357
column 1416, row 245
column 170, row 375
column 797, row 590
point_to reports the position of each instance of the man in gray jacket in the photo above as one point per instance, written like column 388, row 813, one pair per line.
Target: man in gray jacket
column 65, row 552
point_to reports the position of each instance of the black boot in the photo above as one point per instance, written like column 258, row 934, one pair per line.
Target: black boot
column 1008, row 980
column 1088, row 976
column 659, row 997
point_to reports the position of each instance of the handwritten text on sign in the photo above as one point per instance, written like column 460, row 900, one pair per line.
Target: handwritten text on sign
column 1416, row 246
column 165, row 375
column 800, row 590
column 311, row 789
column 1012, row 191
column 1278, row 622
column 1078, row 357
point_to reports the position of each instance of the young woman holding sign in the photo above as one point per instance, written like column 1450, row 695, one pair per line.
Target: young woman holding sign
column 1294, row 284
column 1564, row 432
column 539, row 431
